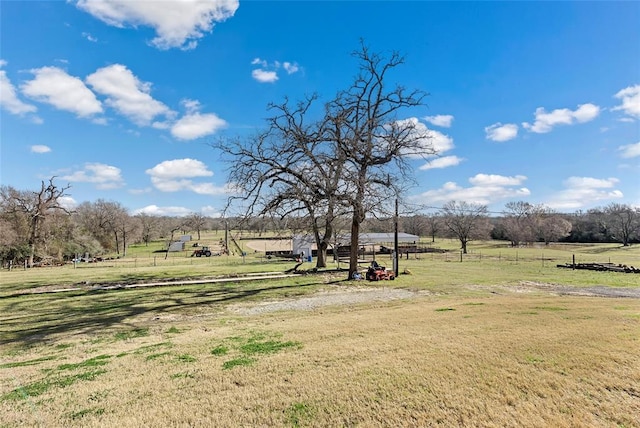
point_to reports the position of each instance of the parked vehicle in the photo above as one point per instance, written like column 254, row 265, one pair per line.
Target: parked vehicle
column 204, row 251
column 377, row 272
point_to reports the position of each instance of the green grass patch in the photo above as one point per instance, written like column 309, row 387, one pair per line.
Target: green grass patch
column 186, row 358
column 220, row 350
column 37, row 388
column 131, row 334
column 240, row 361
column 156, row 356
column 444, row 309
column 299, row 414
column 183, row 375
column 244, row 349
column 33, row 362
column 532, row 359
column 98, row 361
column 550, row 308
column 63, row 346
column 86, row 412
column 266, row 347
column 173, row 330
column 152, row 348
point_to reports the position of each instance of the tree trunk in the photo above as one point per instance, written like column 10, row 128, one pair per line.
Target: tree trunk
column 322, row 255
column 354, row 250
column 117, row 242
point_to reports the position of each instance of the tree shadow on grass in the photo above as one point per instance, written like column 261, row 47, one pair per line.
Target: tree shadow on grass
column 27, row 320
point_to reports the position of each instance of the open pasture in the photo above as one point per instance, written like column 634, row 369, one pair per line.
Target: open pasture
column 476, row 343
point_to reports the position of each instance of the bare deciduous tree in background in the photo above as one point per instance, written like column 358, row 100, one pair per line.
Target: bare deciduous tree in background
column 622, row 221
column 466, row 221
column 434, row 225
column 34, row 207
column 196, row 221
column 519, row 222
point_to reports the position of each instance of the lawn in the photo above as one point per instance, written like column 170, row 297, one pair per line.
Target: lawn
column 470, row 347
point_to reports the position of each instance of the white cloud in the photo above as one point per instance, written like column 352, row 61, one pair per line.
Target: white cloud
column 264, row 76
column 630, row 97
column 442, row 120
column 485, row 189
column 442, row 162
column 141, row 191
column 496, row 180
column 268, row 73
column 9, row 98
column 630, row 150
column 154, row 210
column 194, row 124
column 39, row 148
column 179, row 168
column 584, row 191
column 67, row 202
column 127, row 94
column 258, row 61
column 430, row 139
column 210, row 211
column 176, row 175
column 290, row 68
column 104, row 176
column 89, row 37
column 54, row 86
column 197, row 125
column 499, row 132
column 178, row 24
column 546, row 121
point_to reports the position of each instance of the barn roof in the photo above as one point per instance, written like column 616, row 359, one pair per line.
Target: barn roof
column 380, row 238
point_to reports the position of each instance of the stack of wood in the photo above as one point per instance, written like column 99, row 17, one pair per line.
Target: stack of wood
column 608, row 267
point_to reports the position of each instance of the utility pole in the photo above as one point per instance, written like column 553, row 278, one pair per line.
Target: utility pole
column 396, row 256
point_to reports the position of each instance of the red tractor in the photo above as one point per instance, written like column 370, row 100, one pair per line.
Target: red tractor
column 377, row 272
column 204, row 251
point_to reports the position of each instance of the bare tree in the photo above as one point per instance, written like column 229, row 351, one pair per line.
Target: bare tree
column 553, row 227
column 353, row 160
column 290, row 170
column 466, row 221
column 108, row 221
column 34, row 207
column 148, row 227
column 415, row 224
column 519, row 222
column 622, row 221
column 434, row 225
column 196, row 221
column 374, row 143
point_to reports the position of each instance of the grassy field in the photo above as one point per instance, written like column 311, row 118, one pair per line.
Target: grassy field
column 472, row 347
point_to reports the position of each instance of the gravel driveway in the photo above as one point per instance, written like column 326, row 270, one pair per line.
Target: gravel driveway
column 356, row 295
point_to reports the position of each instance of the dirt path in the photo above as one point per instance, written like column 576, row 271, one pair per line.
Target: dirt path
column 341, row 296
column 565, row 290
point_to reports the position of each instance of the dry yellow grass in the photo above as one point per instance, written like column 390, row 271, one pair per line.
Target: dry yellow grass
column 505, row 359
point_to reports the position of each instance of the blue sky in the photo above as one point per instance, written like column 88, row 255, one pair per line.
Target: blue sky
column 531, row 101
